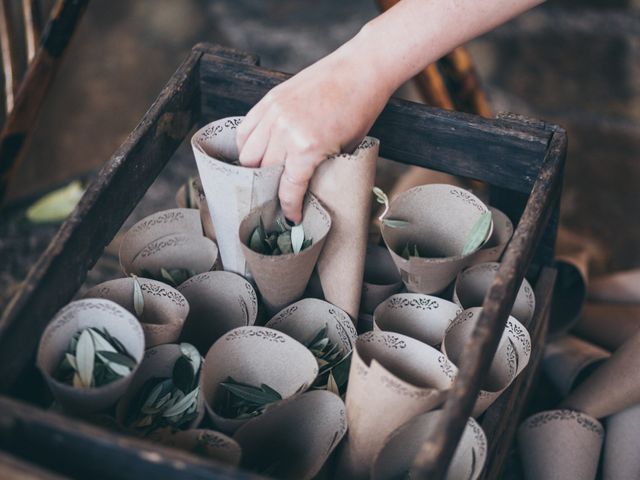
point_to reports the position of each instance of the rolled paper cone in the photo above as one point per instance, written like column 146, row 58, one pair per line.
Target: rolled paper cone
column 560, row 445
column 613, row 386
column 205, row 214
column 502, row 232
column 293, row 438
column 365, row 323
column 381, row 278
column 418, row 316
column 473, row 284
column 231, row 190
column 207, row 443
column 568, row 360
column 608, row 324
column 397, row 457
column 153, row 227
column 54, row 343
column 621, row 459
column 282, row 279
column 343, row 184
column 619, row 287
column 255, row 356
column 158, row 362
column 512, row 355
column 570, row 292
column 305, row 318
column 439, row 232
column 164, row 312
column 218, row 302
column 392, row 379
column 418, row 176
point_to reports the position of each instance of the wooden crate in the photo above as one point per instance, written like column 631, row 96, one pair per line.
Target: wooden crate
column 521, row 159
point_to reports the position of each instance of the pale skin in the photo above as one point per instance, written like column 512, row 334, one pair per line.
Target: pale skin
column 330, row 106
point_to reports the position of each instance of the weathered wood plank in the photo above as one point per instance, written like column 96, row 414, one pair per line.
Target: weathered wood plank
column 17, row 469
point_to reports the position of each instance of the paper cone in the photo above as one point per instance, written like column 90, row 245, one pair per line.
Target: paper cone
column 381, row 278
column 55, row 340
column 418, row 316
column 343, row 183
column 365, row 323
column 511, row 357
column 608, row 324
column 393, row 378
column 560, row 445
column 157, row 362
column 473, row 284
column 397, row 456
column 568, row 360
column 500, row 236
column 219, row 302
column 282, row 279
column 418, row 176
column 199, row 203
column 441, row 218
column 232, row 191
column 570, row 293
column 619, row 287
column 621, row 459
column 165, row 308
column 612, row 387
column 255, row 355
column 292, row 439
column 207, row 443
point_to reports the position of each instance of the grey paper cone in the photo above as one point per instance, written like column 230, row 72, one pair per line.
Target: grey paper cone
column 619, row 287
column 441, row 218
column 560, row 445
column 232, row 191
column 206, row 443
column 502, row 232
column 219, row 302
column 165, row 309
column 381, row 278
column 418, row 316
column 293, row 438
column 343, row 184
column 282, row 279
column 621, row 459
column 608, row 324
column 76, row 316
column 255, row 355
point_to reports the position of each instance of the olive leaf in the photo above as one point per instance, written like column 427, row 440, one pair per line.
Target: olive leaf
column 85, row 356
column 240, row 400
column 284, row 243
column 408, row 252
column 297, row 238
column 395, row 223
column 284, row 240
column 138, row 298
column 329, row 357
column 478, row 233
column 332, row 385
column 57, row 205
column 383, row 199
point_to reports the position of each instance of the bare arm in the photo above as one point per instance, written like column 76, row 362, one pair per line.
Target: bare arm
column 331, row 105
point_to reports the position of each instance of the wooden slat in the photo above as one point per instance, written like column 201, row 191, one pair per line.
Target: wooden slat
column 14, row 468
column 8, row 74
column 32, row 26
column 497, row 152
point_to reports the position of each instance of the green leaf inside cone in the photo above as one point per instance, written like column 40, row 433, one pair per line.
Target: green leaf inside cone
column 331, row 360
column 478, row 234
column 240, row 400
column 280, row 241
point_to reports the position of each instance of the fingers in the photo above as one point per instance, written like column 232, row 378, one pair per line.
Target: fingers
column 251, row 120
column 255, row 146
column 294, row 183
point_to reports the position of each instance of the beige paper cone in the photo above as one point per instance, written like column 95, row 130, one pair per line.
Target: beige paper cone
column 219, row 302
column 232, row 191
column 343, row 184
column 207, row 443
column 568, row 360
column 293, row 438
column 441, row 218
column 612, row 387
column 560, row 445
column 392, row 379
column 200, row 203
column 165, row 309
column 55, row 340
column 418, row 316
column 473, row 284
column 619, row 287
column 500, row 236
column 418, row 176
column 381, row 278
column 608, row 324
column 282, row 279
column 157, row 362
column 365, row 323
column 621, row 459
column 255, row 355
column 397, row 456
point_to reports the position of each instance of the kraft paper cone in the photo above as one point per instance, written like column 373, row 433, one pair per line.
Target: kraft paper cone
column 511, row 357
column 568, row 360
column 207, row 443
column 55, row 340
column 502, row 232
column 381, row 278
column 392, row 379
column 619, row 287
column 343, row 183
column 608, row 324
column 157, row 362
column 473, row 284
column 365, row 323
column 441, row 218
column 200, row 203
column 418, row 176
column 165, row 308
column 560, row 445
column 621, row 459
column 282, row 279
column 255, row 355
column 231, row 191
column 612, row 387
column 397, row 457
column 292, row 439
column 219, row 301
column 418, row 316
